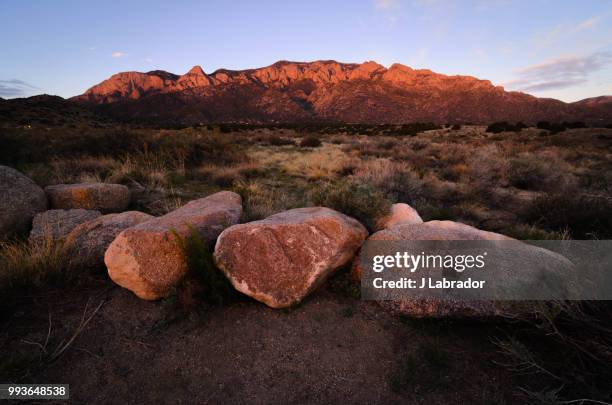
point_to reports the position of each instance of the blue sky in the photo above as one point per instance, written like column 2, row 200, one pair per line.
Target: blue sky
column 549, row 48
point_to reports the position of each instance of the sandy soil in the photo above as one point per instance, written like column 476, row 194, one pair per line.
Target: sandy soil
column 331, row 349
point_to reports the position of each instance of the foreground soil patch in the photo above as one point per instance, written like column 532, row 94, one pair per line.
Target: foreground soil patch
column 331, row 349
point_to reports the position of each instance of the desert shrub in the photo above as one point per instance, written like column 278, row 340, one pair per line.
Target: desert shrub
column 275, row 140
column 532, row 172
column 310, row 141
column 486, row 168
column 414, row 128
column 396, row 180
column 456, row 127
column 531, row 232
column 359, row 201
column 575, row 124
column 190, row 147
column 584, row 216
column 453, row 172
column 504, row 126
column 210, row 284
column 386, row 144
column 260, row 200
column 419, row 144
column 552, row 127
column 579, row 330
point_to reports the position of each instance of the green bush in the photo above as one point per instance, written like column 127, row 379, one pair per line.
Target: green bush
column 212, row 286
column 359, row 201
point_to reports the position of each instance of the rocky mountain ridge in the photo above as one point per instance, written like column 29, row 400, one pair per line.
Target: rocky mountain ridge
column 326, row 91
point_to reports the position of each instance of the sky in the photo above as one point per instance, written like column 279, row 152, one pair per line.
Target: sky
column 549, row 48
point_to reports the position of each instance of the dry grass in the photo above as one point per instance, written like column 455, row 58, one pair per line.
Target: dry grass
column 323, row 162
column 25, row 265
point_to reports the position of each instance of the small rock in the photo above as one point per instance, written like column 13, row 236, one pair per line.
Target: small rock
column 55, row 225
column 91, row 196
column 147, row 258
column 21, row 200
column 89, row 241
column 283, row 258
column 401, row 214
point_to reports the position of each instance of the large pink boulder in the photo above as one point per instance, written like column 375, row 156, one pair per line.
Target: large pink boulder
column 283, row 258
column 147, row 258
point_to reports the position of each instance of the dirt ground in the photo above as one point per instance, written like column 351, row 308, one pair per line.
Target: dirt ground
column 331, row 349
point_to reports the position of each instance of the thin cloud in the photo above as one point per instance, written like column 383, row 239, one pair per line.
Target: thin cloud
column 562, row 32
column 386, row 4
column 587, row 24
column 16, row 88
column 553, row 85
column 118, row 54
column 560, row 73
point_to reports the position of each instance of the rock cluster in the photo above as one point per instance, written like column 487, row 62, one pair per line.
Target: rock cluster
column 279, row 260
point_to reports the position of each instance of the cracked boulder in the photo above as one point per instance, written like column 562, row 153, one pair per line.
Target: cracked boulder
column 283, row 258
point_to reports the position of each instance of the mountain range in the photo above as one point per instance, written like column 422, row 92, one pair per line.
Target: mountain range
column 325, row 91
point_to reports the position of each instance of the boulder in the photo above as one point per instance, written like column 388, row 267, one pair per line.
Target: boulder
column 147, row 258
column 21, row 200
column 431, row 230
column 103, row 197
column 89, row 241
column 401, row 214
column 281, row 259
column 55, row 225
column 549, row 263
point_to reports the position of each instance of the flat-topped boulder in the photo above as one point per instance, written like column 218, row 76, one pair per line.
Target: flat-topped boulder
column 401, row 214
column 55, row 225
column 104, row 197
column 524, row 256
column 89, row 241
column 147, row 258
column 21, row 200
column 281, row 259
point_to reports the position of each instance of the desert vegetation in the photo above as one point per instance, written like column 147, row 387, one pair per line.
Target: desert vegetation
column 526, row 182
